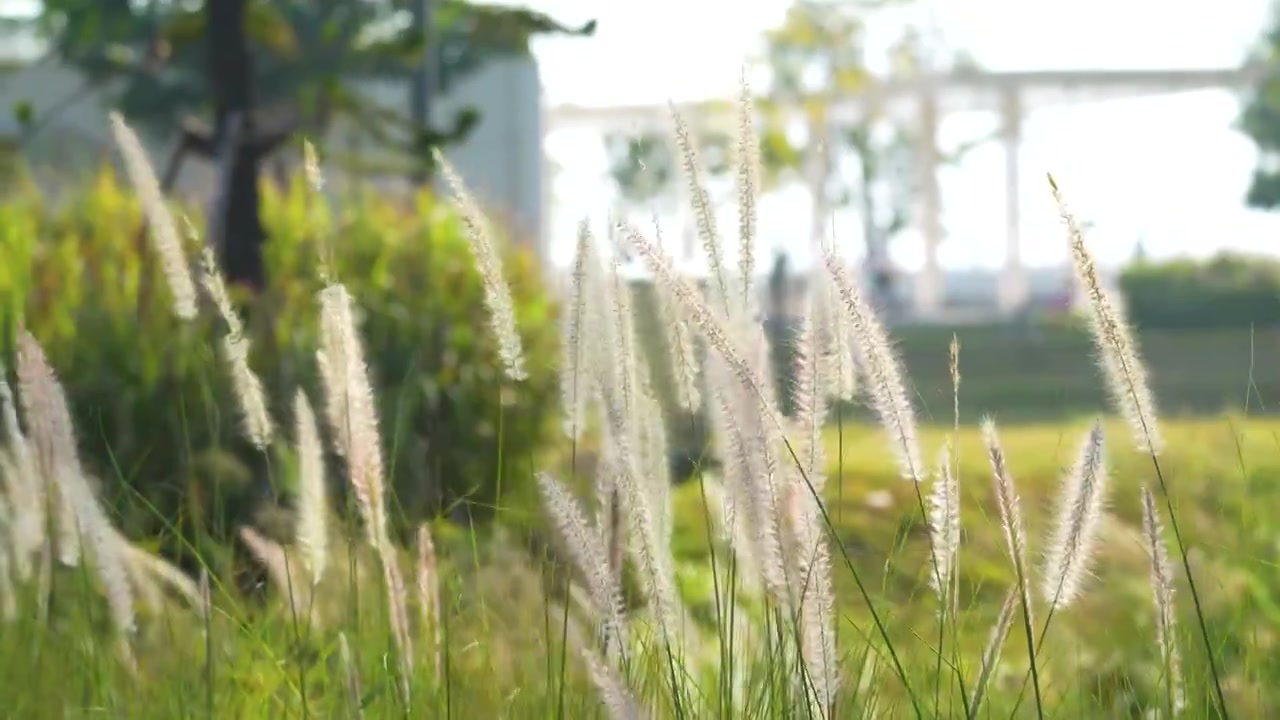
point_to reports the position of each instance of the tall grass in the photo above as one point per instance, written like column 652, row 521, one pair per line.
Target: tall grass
column 624, row 628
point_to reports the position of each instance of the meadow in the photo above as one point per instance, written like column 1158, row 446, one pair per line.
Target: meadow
column 985, row 530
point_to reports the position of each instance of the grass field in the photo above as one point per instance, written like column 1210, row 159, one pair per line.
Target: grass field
column 750, row 589
column 503, row 635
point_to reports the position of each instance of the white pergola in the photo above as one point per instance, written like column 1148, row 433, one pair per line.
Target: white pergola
column 922, row 101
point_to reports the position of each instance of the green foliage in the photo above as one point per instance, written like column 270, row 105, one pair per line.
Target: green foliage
column 1260, row 121
column 305, row 55
column 151, row 398
column 1226, row 291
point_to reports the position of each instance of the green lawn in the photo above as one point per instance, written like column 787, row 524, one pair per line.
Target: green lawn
column 1100, row 654
column 1046, row 371
column 503, row 634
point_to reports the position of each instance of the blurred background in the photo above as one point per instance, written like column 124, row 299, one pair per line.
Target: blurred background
column 916, row 132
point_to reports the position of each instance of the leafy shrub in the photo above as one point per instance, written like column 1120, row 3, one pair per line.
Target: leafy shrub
column 1226, row 291
column 152, row 404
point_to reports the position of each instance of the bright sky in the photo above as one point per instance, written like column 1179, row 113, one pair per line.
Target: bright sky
column 1168, row 170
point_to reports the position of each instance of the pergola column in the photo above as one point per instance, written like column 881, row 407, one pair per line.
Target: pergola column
column 1013, row 278
column 929, row 281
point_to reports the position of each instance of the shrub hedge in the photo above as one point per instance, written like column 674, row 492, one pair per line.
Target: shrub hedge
column 154, row 413
column 1226, row 291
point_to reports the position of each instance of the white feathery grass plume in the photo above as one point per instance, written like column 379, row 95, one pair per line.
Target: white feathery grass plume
column 1080, row 508
column 8, row 594
column 715, row 332
column 832, row 327
column 313, row 507
column 816, row 597
column 617, row 697
column 19, row 479
column 598, row 332
column 1015, row 537
column 573, row 382
column 588, row 550
column 429, row 593
column 258, row 427
column 656, row 572
column 159, row 571
column 748, row 184
column 352, row 675
column 497, row 294
column 651, row 439
column 884, row 376
column 349, row 408
column 311, row 166
column 49, row 418
column 944, row 522
column 10, row 540
column 703, row 210
column 164, row 232
column 746, row 445
column 764, row 484
column 398, row 608
column 1162, row 594
column 271, row 555
column 810, row 391
column 624, row 338
column 68, row 542
column 1118, row 354
column 733, row 537
column 991, row 653
column 110, row 566
column 609, row 515
column 680, row 345
column 315, row 179
column 353, row 420
column 108, row 561
column 953, row 365
column 754, row 336
column 52, row 440
column 734, row 501
column 144, row 586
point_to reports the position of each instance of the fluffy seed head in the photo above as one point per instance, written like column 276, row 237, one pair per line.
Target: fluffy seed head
column 313, row 507
column 1075, row 535
column 944, row 522
column 164, row 233
column 1126, row 374
column 497, row 294
column 1162, row 594
column 884, row 376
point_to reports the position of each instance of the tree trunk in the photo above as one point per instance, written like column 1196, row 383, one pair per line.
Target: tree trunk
column 231, row 79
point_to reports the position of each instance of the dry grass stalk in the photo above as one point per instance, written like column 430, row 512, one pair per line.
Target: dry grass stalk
column 1075, row 535
column 313, row 506
column 53, row 435
column 1118, row 353
column 258, row 427
column 573, row 383
column 883, row 372
column 1162, row 595
column 353, row 421
column 429, row 594
column 497, row 295
column 164, row 232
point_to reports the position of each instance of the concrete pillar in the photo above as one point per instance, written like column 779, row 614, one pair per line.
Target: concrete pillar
column 929, row 291
column 1013, row 292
